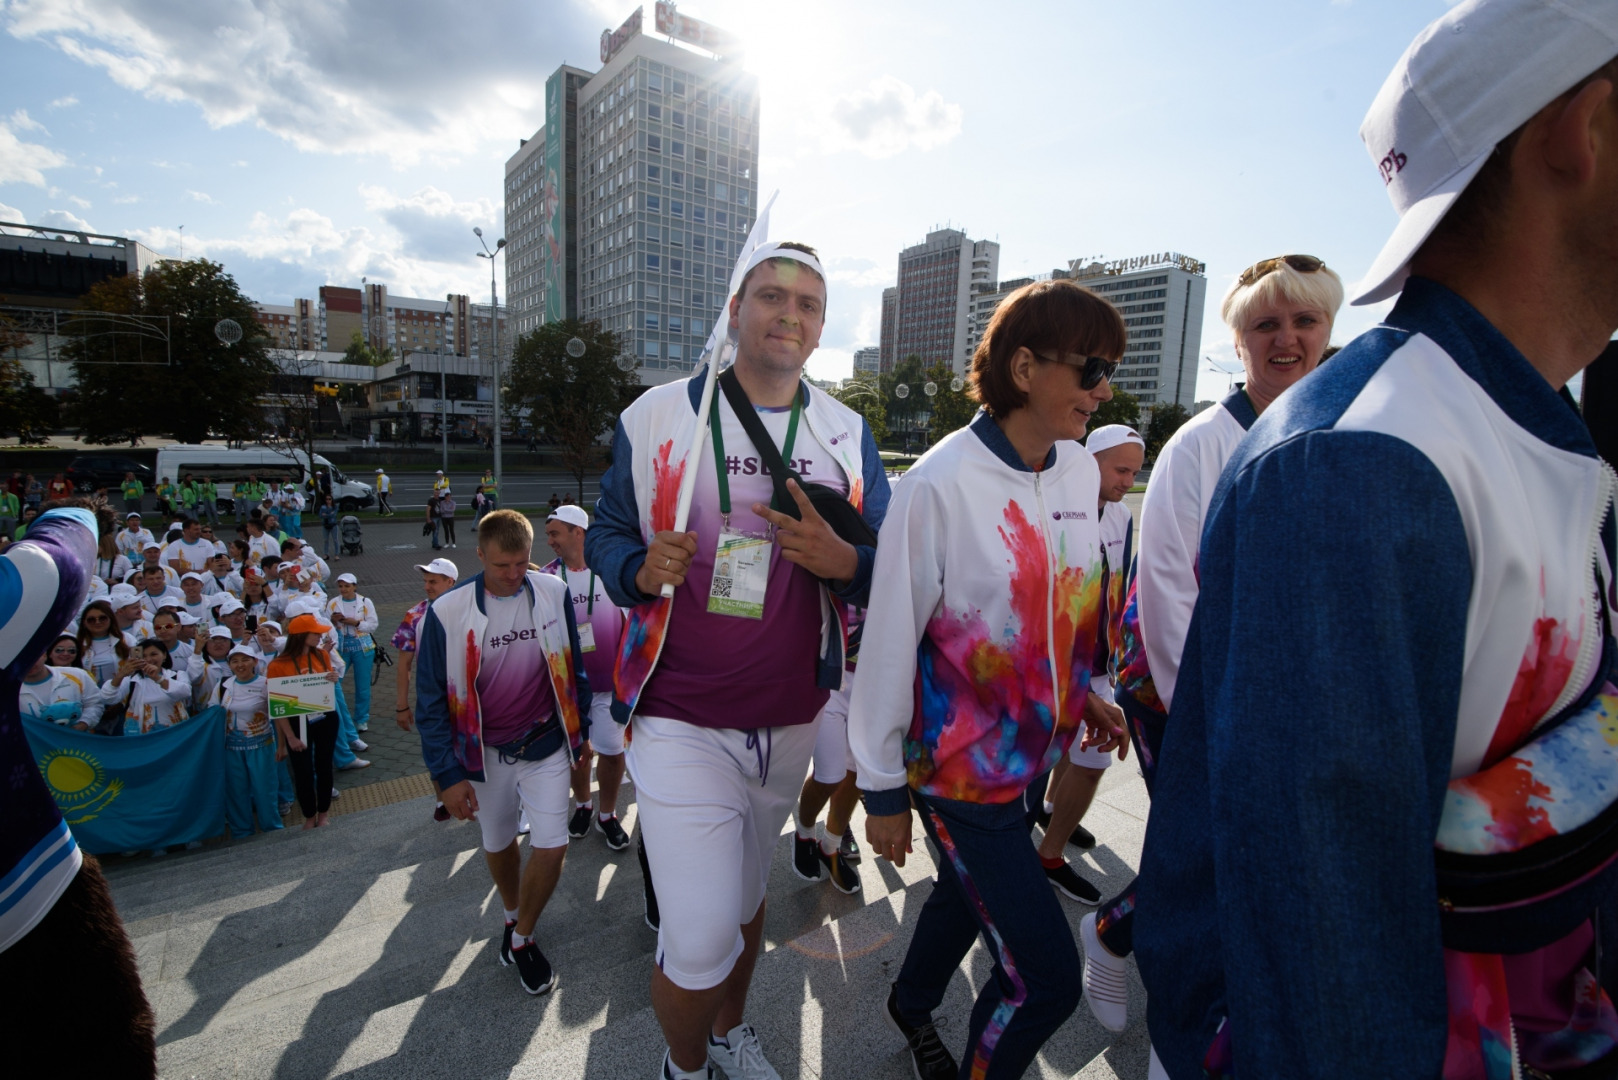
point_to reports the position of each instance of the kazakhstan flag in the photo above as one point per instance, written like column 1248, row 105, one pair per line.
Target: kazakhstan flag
column 136, row 792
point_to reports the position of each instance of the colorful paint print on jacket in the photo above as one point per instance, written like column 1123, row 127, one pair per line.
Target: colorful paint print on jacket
column 987, row 720
column 465, row 713
column 648, row 623
column 1133, row 673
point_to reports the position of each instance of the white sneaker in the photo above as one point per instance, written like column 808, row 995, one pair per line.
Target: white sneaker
column 741, row 1056
column 1106, row 979
column 357, row 763
column 670, row 1071
column 359, row 746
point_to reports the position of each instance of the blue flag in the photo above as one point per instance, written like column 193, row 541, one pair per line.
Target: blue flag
column 136, row 792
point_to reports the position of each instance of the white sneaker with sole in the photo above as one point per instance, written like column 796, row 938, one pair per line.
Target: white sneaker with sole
column 740, row 1055
column 1106, row 979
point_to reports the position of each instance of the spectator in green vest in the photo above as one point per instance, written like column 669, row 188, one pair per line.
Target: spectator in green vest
column 133, row 491
column 166, row 495
column 491, row 489
column 10, row 511
column 207, row 499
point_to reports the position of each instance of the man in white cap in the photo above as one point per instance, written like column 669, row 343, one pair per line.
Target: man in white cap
column 384, row 491
column 437, row 577
column 195, row 602
column 727, row 677
column 129, row 617
column 440, row 482
column 291, row 509
column 354, row 619
column 1367, row 852
column 133, row 538
column 150, row 553
column 600, row 623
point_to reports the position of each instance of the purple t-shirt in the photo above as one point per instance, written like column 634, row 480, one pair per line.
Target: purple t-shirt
column 606, row 622
column 725, row 671
column 514, row 686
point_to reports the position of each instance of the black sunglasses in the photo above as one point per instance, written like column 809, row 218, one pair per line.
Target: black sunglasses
column 1303, row 264
column 1093, row 368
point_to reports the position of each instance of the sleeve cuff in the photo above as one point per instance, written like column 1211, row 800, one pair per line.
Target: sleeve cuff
column 886, row 803
column 449, row 778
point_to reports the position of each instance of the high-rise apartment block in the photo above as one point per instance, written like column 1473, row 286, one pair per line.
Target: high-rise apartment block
column 868, row 361
column 630, row 205
column 453, row 326
column 1161, row 298
column 930, row 316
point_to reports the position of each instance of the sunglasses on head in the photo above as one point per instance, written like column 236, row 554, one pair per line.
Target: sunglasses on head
column 1303, row 264
column 1092, row 368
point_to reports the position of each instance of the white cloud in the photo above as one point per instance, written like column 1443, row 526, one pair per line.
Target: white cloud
column 390, row 77
column 11, row 213
column 125, row 200
column 64, row 102
column 24, row 162
column 21, row 121
column 200, row 196
column 82, row 204
column 62, row 219
column 888, row 117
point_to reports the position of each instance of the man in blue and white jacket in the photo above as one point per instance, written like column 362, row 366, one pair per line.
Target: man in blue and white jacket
column 1403, row 575
column 503, row 706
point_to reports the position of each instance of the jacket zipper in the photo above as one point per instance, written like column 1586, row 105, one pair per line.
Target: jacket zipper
column 1590, row 644
column 1050, row 612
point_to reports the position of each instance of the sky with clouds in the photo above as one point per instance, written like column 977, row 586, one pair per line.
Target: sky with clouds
column 311, row 142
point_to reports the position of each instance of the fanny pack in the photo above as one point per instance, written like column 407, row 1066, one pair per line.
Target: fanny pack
column 837, row 511
column 1527, row 847
column 543, row 740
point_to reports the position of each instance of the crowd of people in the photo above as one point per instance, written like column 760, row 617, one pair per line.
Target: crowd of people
column 1360, row 644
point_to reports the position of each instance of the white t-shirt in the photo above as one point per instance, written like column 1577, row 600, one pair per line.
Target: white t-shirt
column 202, row 610
column 248, row 705
column 184, row 556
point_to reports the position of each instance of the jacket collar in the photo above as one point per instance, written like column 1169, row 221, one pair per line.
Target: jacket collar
column 476, row 583
column 1493, row 362
column 984, row 427
column 693, row 389
column 1240, row 406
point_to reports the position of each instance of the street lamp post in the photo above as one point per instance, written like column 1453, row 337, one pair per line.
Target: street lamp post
column 494, row 333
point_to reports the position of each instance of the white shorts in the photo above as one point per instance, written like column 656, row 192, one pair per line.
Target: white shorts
column 711, row 828
column 833, row 759
column 606, row 734
column 540, row 790
column 1092, row 758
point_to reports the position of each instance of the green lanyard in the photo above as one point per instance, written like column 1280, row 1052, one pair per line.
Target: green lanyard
column 719, row 451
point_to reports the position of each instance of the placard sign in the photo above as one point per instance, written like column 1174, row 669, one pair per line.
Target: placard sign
column 302, row 695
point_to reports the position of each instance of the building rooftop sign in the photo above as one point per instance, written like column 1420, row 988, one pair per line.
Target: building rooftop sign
column 692, row 31
column 1140, row 262
column 613, row 40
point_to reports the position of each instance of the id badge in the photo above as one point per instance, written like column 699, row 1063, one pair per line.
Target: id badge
column 741, row 575
column 587, row 637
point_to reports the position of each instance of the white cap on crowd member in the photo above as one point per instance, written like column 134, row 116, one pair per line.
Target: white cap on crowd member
column 271, row 623
column 1472, row 77
column 303, row 606
column 440, row 472
column 122, row 596
column 1105, row 438
column 229, row 606
column 350, row 578
column 569, row 514
column 151, row 545
column 441, row 566
column 132, row 514
column 188, row 619
column 219, row 631
column 189, row 574
column 243, row 650
column 219, row 548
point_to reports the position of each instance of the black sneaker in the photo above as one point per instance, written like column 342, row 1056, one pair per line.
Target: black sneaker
column 845, row 876
column 505, row 945
column 1068, row 882
column 1081, row 837
column 1043, row 817
column 653, row 919
column 533, row 970
column 850, row 848
column 806, row 857
column 579, row 824
column 928, row 1058
column 617, row 839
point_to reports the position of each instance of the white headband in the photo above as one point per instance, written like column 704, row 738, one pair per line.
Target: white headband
column 774, row 250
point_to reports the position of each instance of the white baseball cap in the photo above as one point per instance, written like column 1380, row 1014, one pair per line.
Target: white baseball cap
column 190, row 575
column 1469, row 79
column 570, row 514
column 219, row 631
column 243, row 650
column 229, row 606
column 1105, row 438
column 122, row 596
column 441, row 566
column 350, row 578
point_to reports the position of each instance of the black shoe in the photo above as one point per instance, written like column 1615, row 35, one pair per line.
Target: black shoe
column 806, row 857
column 617, row 839
column 1081, row 837
column 928, row 1058
column 579, row 824
column 1043, row 817
column 850, row 848
column 1072, row 886
column 533, row 970
column 845, row 876
column 653, row 919
column 505, row 945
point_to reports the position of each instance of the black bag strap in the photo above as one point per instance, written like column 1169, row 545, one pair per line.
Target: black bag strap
column 768, row 453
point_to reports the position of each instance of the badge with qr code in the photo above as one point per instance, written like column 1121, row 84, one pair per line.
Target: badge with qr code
column 741, row 575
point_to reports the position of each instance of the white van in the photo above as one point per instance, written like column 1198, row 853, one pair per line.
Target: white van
column 226, row 466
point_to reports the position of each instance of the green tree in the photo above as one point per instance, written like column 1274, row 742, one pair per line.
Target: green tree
column 1166, row 420
column 1124, row 408
column 360, row 352
column 206, row 387
column 904, row 412
column 863, row 394
column 951, row 409
column 574, row 400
